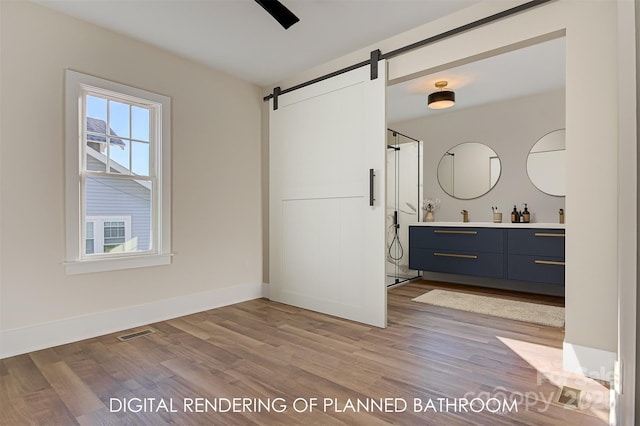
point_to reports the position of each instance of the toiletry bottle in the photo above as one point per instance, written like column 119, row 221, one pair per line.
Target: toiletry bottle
column 514, row 215
column 561, row 216
column 526, row 216
column 520, row 217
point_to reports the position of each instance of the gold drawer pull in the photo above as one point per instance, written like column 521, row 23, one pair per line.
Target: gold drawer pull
column 548, row 262
column 464, row 256
column 441, row 231
column 543, row 234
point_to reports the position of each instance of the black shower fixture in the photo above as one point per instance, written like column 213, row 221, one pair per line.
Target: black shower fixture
column 284, row 16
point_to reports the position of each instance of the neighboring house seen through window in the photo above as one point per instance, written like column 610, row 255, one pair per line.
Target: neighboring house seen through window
column 108, row 234
column 118, row 194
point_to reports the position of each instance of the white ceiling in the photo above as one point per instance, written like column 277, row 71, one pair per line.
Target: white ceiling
column 242, row 39
column 526, row 71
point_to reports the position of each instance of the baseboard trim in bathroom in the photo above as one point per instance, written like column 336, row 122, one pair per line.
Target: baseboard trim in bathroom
column 569, row 397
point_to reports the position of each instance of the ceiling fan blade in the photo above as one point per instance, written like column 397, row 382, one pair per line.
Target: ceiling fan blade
column 284, row 16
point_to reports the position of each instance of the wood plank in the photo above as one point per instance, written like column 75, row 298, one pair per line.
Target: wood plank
column 76, row 395
column 26, row 376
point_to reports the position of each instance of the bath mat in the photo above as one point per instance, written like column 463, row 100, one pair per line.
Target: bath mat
column 511, row 309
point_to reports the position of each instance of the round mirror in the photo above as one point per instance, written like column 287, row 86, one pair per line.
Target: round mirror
column 546, row 164
column 468, row 170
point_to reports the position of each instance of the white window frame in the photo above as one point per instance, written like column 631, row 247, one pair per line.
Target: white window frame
column 77, row 262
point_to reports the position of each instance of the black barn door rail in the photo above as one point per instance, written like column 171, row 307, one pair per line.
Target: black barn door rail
column 376, row 55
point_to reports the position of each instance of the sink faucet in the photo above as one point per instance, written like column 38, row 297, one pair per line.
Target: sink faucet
column 465, row 216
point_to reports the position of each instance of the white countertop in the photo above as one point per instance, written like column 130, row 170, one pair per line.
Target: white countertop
column 492, row 225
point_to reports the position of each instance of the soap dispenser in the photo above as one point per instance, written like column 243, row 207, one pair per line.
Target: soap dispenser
column 526, row 216
column 515, row 217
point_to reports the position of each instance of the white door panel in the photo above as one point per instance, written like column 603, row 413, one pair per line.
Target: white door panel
column 327, row 246
column 322, row 156
column 312, row 228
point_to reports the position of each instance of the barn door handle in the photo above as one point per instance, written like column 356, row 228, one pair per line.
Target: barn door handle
column 371, row 176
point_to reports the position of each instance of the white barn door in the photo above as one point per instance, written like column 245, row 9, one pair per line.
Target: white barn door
column 327, row 243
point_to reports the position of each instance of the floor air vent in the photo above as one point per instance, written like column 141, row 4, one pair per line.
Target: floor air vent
column 569, row 397
column 130, row 336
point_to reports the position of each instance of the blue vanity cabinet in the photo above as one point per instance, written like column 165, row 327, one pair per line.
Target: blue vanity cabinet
column 533, row 256
column 536, row 255
column 457, row 250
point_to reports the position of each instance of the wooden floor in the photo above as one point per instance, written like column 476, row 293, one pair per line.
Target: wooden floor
column 276, row 359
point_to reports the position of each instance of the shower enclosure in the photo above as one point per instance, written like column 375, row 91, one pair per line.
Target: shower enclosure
column 404, row 202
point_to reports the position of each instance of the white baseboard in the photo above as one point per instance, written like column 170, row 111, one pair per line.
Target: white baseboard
column 590, row 362
column 41, row 336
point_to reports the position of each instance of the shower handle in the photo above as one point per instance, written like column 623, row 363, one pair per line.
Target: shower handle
column 371, row 176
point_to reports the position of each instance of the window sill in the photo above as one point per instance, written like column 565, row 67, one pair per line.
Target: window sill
column 115, row 264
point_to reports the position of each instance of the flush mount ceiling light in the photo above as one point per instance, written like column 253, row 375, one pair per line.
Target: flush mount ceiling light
column 443, row 98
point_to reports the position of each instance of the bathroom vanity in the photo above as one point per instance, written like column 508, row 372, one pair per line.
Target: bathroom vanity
column 523, row 252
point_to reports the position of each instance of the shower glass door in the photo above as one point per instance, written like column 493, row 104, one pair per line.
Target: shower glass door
column 404, row 202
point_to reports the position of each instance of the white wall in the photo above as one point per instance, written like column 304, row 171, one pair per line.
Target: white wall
column 216, row 184
column 631, row 350
column 510, row 128
column 628, row 399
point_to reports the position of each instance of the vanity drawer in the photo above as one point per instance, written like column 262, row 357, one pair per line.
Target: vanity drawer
column 457, row 238
column 543, row 269
column 457, row 262
column 541, row 242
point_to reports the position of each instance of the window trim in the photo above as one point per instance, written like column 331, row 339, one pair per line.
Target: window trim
column 76, row 84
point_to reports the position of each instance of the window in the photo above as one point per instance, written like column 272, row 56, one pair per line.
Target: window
column 113, row 236
column 89, row 240
column 118, row 176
